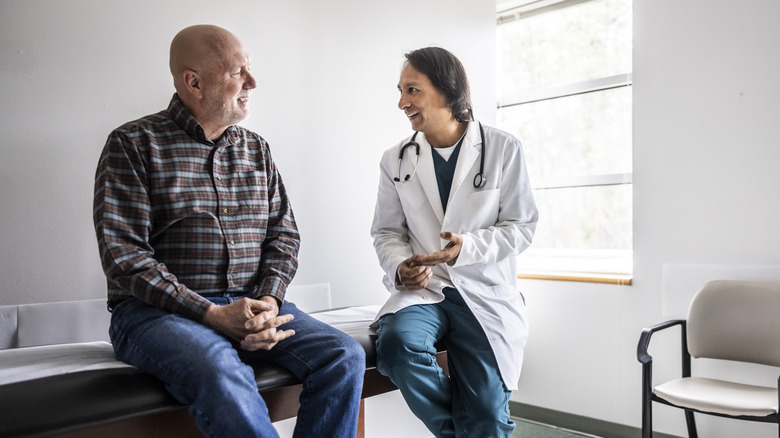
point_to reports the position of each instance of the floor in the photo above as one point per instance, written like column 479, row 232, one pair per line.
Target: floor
column 528, row 429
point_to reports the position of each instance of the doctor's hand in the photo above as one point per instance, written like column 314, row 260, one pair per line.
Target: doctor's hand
column 413, row 276
column 449, row 254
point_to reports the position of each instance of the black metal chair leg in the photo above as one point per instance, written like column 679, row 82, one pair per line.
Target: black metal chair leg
column 647, row 418
column 691, row 422
column 647, row 402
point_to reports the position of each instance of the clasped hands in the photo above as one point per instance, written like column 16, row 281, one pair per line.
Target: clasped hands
column 415, row 272
column 252, row 322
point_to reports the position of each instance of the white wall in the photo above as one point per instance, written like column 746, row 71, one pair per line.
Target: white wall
column 706, row 185
column 74, row 70
column 705, row 154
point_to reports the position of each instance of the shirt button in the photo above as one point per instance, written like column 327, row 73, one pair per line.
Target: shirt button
column 224, row 210
column 232, row 242
column 219, row 178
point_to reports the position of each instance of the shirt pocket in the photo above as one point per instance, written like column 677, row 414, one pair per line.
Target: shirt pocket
column 249, row 190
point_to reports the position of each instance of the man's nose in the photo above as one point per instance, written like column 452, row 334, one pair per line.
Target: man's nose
column 250, row 81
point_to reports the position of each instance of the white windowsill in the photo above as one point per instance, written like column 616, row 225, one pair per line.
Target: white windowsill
column 590, row 266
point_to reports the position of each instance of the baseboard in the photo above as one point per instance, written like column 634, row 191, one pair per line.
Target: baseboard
column 578, row 423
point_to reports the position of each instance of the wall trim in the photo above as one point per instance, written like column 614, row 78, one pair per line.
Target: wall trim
column 578, row 423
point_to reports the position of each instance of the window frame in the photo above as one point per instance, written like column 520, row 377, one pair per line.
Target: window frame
column 512, row 10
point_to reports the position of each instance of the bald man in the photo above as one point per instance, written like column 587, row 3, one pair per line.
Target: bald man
column 198, row 243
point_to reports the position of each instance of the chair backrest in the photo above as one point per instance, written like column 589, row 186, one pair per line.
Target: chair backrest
column 736, row 320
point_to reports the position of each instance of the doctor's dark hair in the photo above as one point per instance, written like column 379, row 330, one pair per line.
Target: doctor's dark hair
column 447, row 75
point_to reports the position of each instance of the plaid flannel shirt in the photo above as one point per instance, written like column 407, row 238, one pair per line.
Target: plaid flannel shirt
column 178, row 216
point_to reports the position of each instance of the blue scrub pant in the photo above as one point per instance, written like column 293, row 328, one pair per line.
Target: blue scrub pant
column 473, row 401
column 202, row 368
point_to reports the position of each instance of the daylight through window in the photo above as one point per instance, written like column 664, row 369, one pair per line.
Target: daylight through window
column 564, row 89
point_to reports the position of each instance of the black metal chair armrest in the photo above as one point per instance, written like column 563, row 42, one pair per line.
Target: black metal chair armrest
column 644, row 339
column 647, row 365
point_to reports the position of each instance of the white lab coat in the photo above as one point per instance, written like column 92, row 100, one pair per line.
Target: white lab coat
column 497, row 223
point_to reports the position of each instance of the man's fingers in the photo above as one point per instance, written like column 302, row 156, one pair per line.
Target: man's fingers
column 283, row 334
column 259, row 306
column 282, row 319
column 265, row 320
column 266, row 339
column 257, row 321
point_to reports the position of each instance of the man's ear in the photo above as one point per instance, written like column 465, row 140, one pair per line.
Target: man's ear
column 192, row 83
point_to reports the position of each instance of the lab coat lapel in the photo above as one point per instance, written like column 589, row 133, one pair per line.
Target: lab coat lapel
column 427, row 175
column 469, row 153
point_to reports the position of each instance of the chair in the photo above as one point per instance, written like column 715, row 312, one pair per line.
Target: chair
column 728, row 320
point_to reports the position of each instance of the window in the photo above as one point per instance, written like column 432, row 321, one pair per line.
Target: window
column 564, row 89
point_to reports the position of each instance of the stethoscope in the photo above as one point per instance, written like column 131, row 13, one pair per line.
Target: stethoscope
column 479, row 179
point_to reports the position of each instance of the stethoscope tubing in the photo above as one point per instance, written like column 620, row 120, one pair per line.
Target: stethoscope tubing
column 479, row 179
column 416, row 146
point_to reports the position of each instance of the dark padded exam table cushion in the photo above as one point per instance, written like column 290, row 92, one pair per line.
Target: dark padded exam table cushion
column 92, row 387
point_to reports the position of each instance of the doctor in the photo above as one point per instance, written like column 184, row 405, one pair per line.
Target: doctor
column 454, row 209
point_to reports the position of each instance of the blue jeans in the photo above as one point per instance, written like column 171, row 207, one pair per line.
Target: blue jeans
column 202, row 368
column 473, row 401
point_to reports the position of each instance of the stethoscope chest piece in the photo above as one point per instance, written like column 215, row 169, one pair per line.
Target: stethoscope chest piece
column 479, row 181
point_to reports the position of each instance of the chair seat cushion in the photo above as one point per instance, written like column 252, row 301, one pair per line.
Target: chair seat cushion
column 720, row 397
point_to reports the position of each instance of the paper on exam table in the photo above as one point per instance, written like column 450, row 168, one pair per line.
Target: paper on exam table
column 30, row 363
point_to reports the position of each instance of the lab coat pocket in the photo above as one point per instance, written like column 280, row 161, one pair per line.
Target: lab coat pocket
column 482, row 196
column 501, row 307
column 484, row 205
column 502, row 290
